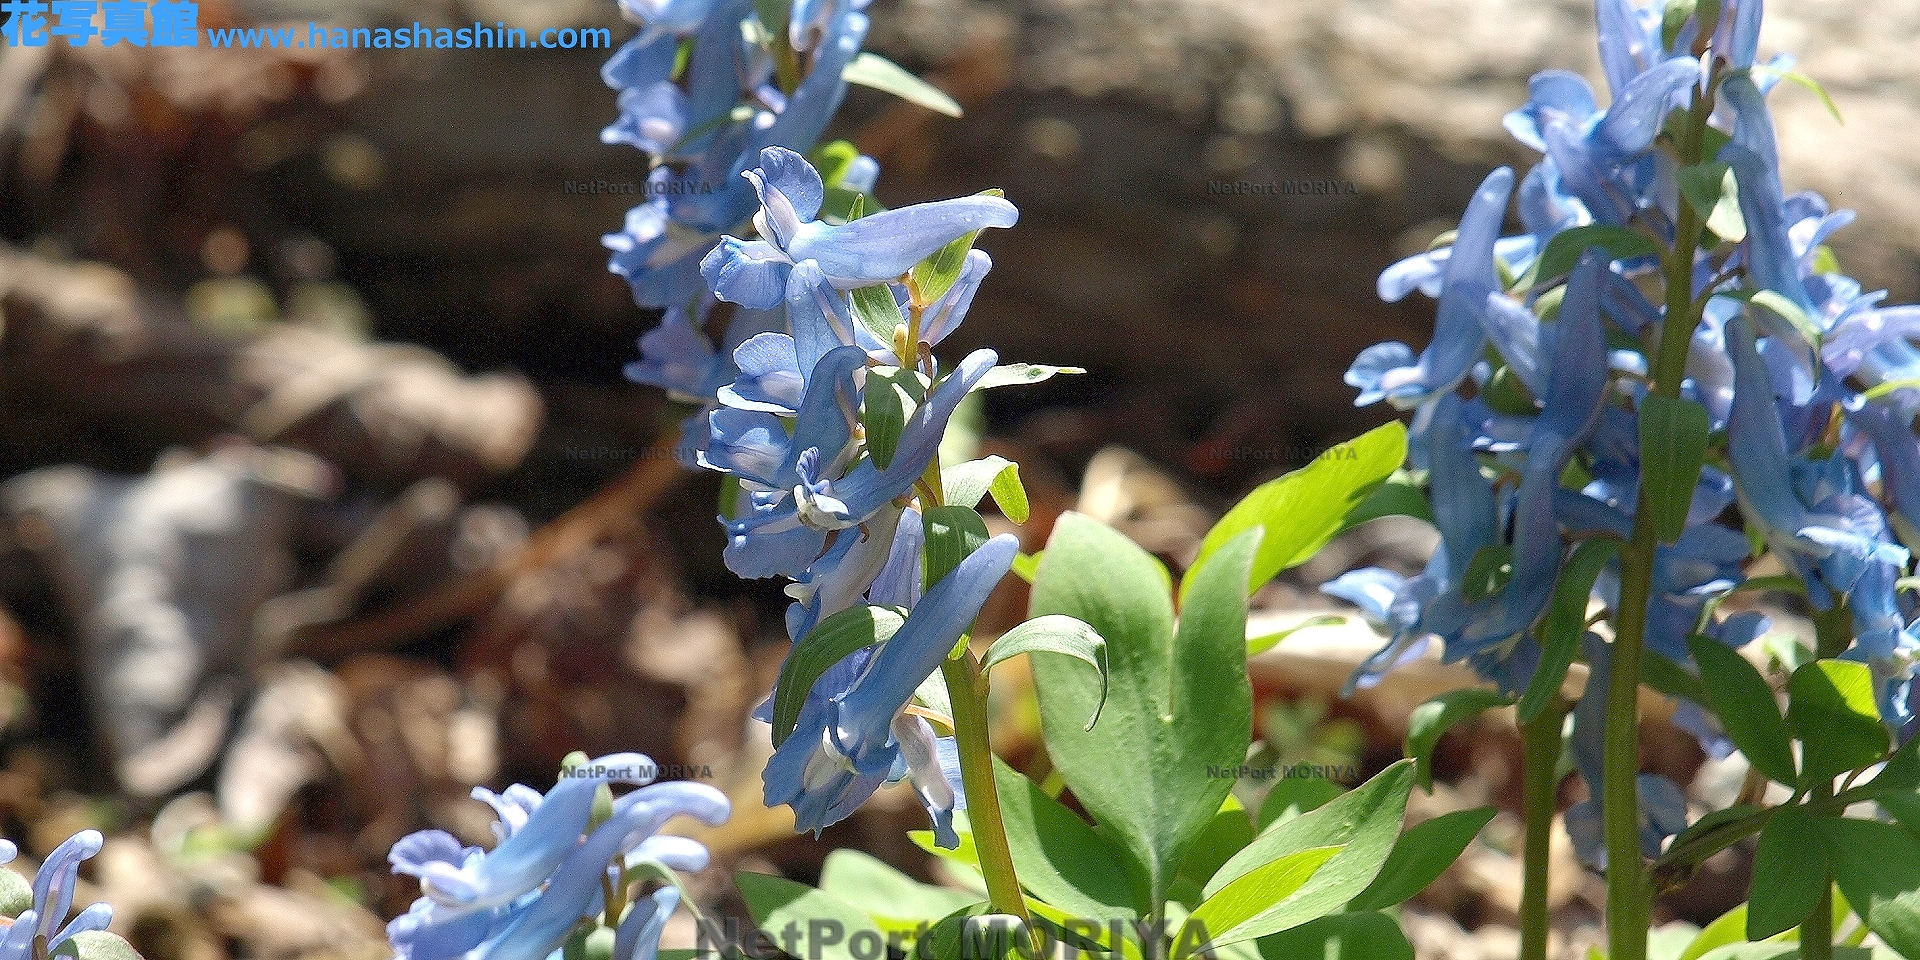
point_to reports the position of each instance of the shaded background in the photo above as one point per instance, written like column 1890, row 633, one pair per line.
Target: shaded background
column 332, row 323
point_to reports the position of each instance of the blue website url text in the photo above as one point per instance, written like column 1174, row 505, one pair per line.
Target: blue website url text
column 164, row 23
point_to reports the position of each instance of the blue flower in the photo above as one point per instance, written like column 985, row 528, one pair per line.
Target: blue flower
column 519, row 901
column 53, row 887
column 1574, row 398
column 787, row 523
column 868, row 251
column 853, row 730
column 1830, row 550
column 1429, row 604
column 1390, row 371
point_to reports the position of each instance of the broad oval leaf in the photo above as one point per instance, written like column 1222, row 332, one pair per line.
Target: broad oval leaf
column 966, row 484
column 1179, row 701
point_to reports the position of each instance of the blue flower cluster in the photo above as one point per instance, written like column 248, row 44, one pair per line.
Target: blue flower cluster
column 741, row 226
column 552, row 867
column 45, row 922
column 817, row 506
column 1526, row 403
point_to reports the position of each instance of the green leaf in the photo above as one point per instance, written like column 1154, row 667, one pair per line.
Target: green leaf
column 1877, row 866
column 1431, row 719
column 1061, row 859
column 1673, row 446
column 967, row 483
column 833, row 160
column 829, row 643
column 97, row 945
column 935, row 275
column 1783, row 308
column 1294, row 796
column 1488, row 570
column 1673, row 20
column 1057, row 635
column 1226, row 834
column 1026, row 566
column 1565, row 624
column 885, row 405
column 872, row 70
column 1020, row 374
column 16, row 893
column 1711, row 190
column 775, row 902
column 1261, row 644
column 1744, row 702
column 1364, row 822
column 1303, row 510
column 1790, row 950
column 1236, row 910
column 1564, row 250
column 1179, row 699
column 1730, row 928
column 876, row 310
column 953, row 533
column 894, row 901
column 1789, row 875
column 1425, row 852
column 1809, row 83
column 1830, row 705
column 1399, row 496
column 1364, row 935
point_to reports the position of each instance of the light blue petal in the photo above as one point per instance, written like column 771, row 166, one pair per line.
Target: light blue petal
column 881, row 247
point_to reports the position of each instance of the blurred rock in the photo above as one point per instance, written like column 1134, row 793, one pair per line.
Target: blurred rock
column 163, row 574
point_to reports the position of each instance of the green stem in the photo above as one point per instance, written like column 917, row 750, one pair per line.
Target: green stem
column 1628, row 891
column 983, row 796
column 1540, row 761
column 1833, row 632
column 1816, row 932
column 1627, row 888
